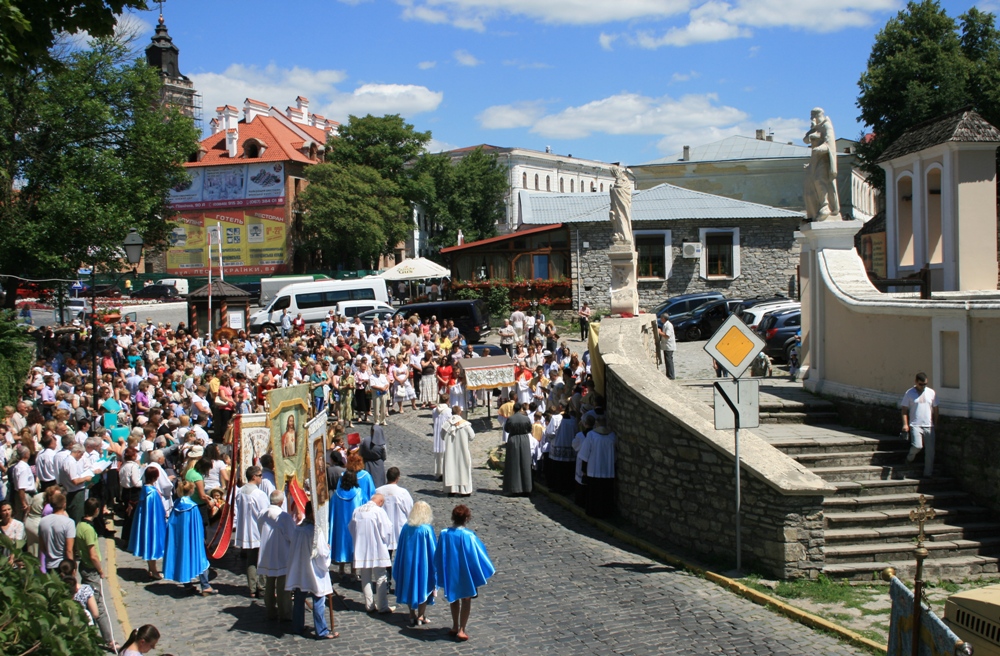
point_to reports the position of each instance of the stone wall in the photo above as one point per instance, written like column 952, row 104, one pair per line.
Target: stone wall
column 676, row 472
column 769, row 256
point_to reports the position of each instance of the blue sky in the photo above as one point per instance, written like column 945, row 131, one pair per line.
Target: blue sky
column 625, row 80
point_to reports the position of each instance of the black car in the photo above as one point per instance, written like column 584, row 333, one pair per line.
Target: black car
column 472, row 318
column 252, row 288
column 686, row 303
column 157, row 292
column 776, row 328
column 701, row 323
column 368, row 317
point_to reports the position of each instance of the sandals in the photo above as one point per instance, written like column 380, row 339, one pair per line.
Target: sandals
column 329, row 636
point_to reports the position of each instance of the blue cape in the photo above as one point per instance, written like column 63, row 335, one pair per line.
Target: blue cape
column 149, row 526
column 184, row 558
column 461, row 563
column 367, row 486
column 413, row 569
column 342, row 505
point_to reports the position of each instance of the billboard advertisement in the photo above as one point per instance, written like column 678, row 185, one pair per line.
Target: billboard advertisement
column 254, row 241
column 242, row 185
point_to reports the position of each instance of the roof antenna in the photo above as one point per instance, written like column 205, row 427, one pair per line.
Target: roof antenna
column 160, row 2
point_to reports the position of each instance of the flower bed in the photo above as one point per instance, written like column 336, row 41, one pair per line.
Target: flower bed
column 526, row 294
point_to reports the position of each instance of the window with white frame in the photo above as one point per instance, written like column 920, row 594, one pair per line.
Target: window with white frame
column 653, row 248
column 720, row 253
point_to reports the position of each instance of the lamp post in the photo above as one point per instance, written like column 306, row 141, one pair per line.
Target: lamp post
column 133, row 253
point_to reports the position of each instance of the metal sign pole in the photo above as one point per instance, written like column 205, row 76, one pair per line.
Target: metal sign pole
column 736, row 438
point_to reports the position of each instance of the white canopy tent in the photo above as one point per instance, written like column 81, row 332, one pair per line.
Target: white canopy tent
column 418, row 268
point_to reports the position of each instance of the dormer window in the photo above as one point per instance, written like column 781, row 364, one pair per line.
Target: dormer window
column 252, row 149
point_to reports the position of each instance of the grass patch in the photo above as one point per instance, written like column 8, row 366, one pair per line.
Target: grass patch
column 826, row 591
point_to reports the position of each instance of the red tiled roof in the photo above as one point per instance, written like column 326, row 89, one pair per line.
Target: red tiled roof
column 281, row 143
column 493, row 240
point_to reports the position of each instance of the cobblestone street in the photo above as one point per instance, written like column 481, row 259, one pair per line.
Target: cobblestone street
column 561, row 587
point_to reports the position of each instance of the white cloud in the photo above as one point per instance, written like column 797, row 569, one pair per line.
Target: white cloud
column 466, row 58
column 607, row 40
column 424, row 65
column 684, row 77
column 438, row 146
column 474, row 14
column 280, row 86
column 525, row 65
column 518, row 115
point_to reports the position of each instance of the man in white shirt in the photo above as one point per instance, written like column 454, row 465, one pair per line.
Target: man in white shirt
column 73, row 477
column 517, row 320
column 668, row 342
column 920, row 416
column 397, row 507
column 199, row 429
column 597, row 455
column 45, row 462
column 371, row 529
column 22, row 483
column 276, row 531
column 251, row 503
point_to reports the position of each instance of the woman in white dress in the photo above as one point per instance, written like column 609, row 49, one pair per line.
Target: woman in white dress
column 428, row 380
column 400, row 373
column 456, row 392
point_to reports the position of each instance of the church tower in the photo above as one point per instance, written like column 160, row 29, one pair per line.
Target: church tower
column 178, row 90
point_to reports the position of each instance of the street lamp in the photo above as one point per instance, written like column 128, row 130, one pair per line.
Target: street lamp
column 133, row 253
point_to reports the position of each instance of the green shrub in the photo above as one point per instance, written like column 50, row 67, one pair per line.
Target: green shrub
column 467, row 294
column 37, row 614
column 15, row 358
column 498, row 301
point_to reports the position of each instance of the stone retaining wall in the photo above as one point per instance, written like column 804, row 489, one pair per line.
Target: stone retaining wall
column 676, row 472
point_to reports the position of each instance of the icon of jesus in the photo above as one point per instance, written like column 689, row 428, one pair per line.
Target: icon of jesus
column 288, row 438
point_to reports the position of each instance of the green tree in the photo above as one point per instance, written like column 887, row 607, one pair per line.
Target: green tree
column 384, row 143
column 86, row 153
column 923, row 64
column 350, row 213
column 466, row 195
column 15, row 358
column 28, row 28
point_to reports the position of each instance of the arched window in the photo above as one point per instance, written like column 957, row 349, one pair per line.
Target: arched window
column 548, row 183
column 904, row 220
column 561, row 188
column 571, row 181
column 536, row 182
column 524, row 180
column 935, row 242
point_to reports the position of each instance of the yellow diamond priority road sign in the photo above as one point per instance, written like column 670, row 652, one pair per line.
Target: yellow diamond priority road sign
column 734, row 346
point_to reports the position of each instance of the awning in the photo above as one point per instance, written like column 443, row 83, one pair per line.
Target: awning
column 419, row 268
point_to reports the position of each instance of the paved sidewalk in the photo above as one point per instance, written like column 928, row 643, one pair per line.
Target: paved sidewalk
column 561, row 587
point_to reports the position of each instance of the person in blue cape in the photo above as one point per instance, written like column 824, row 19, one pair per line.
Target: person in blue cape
column 184, row 558
column 461, row 565
column 413, row 569
column 149, row 525
column 343, row 502
column 356, row 464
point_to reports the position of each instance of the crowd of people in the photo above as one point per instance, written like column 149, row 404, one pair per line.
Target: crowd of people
column 147, row 443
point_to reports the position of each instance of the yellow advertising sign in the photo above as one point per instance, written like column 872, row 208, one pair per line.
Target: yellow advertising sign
column 254, row 241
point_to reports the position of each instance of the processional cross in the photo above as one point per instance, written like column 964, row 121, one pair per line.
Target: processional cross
column 921, row 515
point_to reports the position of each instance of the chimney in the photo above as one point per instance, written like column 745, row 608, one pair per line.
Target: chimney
column 770, row 137
column 303, row 104
column 461, row 237
column 760, row 135
column 216, row 125
column 229, row 116
column 686, row 157
column 232, row 141
column 254, row 108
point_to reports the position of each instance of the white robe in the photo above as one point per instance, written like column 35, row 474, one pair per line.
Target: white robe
column 457, row 434
column 251, row 503
column 398, row 504
column 305, row 572
column 371, row 529
column 163, row 485
column 598, row 451
column 277, row 528
column 441, row 415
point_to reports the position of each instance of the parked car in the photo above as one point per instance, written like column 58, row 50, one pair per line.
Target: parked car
column 686, row 303
column 701, row 323
column 776, row 328
column 157, row 292
column 471, row 317
column 383, row 315
column 252, row 288
column 754, row 315
column 760, row 300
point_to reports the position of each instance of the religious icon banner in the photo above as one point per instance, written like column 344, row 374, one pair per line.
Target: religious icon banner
column 287, row 417
column 317, row 476
column 255, row 438
column 936, row 639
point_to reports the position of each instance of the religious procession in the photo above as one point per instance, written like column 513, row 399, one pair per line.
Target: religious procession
column 275, row 448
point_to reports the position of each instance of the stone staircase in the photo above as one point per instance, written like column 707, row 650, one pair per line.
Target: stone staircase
column 867, row 519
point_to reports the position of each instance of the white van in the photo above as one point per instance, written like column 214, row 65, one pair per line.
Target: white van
column 315, row 300
column 180, row 284
column 350, row 309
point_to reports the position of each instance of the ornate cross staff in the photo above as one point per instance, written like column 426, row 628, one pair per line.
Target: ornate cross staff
column 919, row 515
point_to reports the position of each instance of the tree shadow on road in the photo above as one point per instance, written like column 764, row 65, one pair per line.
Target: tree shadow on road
column 249, row 620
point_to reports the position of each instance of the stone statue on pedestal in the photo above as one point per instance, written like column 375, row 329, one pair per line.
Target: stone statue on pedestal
column 820, row 193
column 624, row 287
column 621, row 207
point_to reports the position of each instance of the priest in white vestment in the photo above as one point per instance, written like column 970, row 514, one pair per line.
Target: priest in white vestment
column 597, row 454
column 251, row 503
column 371, row 529
column 397, row 506
column 441, row 414
column 277, row 528
column 164, row 484
column 456, row 435
column 309, row 575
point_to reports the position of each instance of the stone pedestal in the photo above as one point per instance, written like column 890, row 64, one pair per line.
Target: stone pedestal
column 815, row 237
column 624, row 288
